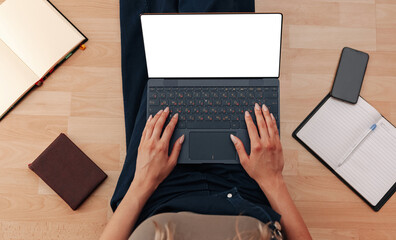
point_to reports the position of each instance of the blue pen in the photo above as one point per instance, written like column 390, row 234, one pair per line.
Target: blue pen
column 366, row 134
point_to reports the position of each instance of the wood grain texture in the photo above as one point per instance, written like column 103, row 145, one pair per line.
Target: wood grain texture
column 83, row 99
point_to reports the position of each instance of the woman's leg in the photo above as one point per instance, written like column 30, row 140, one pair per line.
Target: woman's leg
column 128, row 170
column 134, row 80
column 134, row 75
column 133, row 61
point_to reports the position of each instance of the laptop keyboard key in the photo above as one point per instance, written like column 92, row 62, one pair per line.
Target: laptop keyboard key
column 212, row 107
column 153, row 102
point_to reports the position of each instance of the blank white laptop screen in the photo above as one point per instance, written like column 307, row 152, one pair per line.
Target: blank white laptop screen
column 212, row 45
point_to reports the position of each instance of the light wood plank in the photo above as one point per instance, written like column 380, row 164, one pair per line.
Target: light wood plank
column 99, row 130
column 346, row 215
column 96, row 105
column 385, row 15
column 84, row 79
column 386, row 39
column 373, row 233
column 45, row 103
column 97, row 54
column 357, row 15
column 89, row 8
column 382, row 64
column 323, row 37
column 302, row 12
column 47, row 230
column 329, row 234
column 31, row 128
column 321, row 188
column 26, row 207
column 291, row 163
column 19, row 153
column 17, row 181
column 101, row 29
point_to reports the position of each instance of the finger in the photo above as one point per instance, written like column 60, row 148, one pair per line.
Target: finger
column 176, row 151
column 269, row 122
column 252, row 130
column 159, row 125
column 145, row 127
column 166, row 136
column 275, row 127
column 262, row 127
column 151, row 124
column 243, row 157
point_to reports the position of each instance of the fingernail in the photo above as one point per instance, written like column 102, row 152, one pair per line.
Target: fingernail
column 160, row 111
column 265, row 108
column 150, row 117
column 181, row 139
column 166, row 109
column 176, row 115
column 256, row 106
column 247, row 114
column 233, row 139
column 272, row 116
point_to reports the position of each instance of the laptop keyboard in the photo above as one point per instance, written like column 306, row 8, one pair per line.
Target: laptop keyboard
column 212, row 107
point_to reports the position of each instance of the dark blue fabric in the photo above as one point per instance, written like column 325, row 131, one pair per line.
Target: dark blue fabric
column 195, row 188
column 229, row 202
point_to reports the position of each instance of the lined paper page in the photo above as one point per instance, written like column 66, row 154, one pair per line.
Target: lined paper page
column 371, row 169
column 336, row 127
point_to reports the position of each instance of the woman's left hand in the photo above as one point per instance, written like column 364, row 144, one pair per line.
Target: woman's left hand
column 153, row 162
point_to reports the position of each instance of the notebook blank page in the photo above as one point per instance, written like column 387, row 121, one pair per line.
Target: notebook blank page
column 336, row 126
column 371, row 169
column 15, row 78
column 37, row 33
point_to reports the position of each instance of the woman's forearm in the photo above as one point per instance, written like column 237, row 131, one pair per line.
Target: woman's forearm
column 293, row 225
column 153, row 164
column 124, row 218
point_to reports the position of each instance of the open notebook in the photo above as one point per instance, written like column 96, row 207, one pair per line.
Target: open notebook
column 34, row 38
column 356, row 143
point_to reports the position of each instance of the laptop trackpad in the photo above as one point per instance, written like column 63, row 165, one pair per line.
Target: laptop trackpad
column 211, row 146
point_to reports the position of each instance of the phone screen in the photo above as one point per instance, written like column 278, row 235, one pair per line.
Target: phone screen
column 350, row 74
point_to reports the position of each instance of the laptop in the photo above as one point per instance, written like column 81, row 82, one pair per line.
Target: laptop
column 210, row 68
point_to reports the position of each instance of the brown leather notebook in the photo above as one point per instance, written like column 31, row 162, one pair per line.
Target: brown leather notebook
column 68, row 171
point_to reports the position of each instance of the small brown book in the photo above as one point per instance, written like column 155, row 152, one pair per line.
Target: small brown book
column 68, row 171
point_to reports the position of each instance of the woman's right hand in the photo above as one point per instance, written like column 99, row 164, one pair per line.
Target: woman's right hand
column 265, row 162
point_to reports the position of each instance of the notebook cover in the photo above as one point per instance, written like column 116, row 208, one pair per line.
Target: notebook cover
column 68, row 171
column 383, row 200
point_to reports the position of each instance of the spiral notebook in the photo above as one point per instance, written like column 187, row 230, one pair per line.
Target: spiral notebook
column 356, row 143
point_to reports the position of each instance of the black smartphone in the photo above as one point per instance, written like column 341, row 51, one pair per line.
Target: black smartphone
column 350, row 73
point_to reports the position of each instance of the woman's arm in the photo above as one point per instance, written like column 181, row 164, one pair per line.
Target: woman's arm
column 153, row 165
column 265, row 165
column 124, row 218
column 292, row 222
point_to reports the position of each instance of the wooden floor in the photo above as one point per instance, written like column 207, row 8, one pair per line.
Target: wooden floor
column 83, row 99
